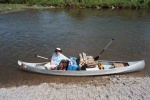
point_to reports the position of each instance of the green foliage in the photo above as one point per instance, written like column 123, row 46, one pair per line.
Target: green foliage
column 84, row 3
column 47, row 2
column 17, row 1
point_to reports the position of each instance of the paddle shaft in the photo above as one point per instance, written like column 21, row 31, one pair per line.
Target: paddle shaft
column 106, row 46
column 96, row 58
column 41, row 57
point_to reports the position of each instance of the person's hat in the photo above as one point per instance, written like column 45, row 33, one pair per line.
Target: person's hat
column 58, row 50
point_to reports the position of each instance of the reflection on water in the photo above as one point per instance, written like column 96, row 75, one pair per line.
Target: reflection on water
column 23, row 34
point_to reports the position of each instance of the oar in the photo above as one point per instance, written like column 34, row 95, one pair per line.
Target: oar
column 96, row 58
column 41, row 57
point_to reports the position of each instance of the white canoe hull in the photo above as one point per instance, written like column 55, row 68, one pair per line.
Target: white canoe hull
column 39, row 68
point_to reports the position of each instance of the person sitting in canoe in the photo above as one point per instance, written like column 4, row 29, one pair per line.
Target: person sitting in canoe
column 57, row 57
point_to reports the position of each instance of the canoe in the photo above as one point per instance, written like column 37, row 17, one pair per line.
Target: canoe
column 109, row 68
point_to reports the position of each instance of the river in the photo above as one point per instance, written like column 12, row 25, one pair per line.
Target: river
column 39, row 31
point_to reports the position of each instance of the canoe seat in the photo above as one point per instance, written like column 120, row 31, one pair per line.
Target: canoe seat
column 93, row 69
column 108, row 67
column 40, row 67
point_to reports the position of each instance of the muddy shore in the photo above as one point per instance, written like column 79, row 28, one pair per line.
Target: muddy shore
column 117, row 88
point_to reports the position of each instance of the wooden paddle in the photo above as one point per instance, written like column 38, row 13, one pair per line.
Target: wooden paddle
column 41, row 57
column 97, row 57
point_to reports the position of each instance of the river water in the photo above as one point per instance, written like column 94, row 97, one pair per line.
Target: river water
column 39, row 31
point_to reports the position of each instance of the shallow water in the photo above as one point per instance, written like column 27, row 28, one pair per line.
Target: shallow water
column 38, row 31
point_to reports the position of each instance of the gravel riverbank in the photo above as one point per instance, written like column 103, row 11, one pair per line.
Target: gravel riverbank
column 117, row 88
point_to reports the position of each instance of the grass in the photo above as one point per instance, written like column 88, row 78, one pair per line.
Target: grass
column 4, row 8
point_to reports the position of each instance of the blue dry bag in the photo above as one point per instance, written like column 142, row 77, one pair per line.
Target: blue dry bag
column 73, row 64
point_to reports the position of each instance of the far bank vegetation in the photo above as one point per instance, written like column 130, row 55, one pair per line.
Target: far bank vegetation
column 135, row 4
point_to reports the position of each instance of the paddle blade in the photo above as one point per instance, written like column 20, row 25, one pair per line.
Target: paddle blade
column 35, row 55
column 96, row 58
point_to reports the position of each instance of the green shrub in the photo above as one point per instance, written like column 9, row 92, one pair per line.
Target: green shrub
column 84, row 3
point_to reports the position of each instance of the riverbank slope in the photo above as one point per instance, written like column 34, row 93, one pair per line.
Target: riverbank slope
column 85, row 3
column 117, row 88
column 6, row 8
column 109, row 4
